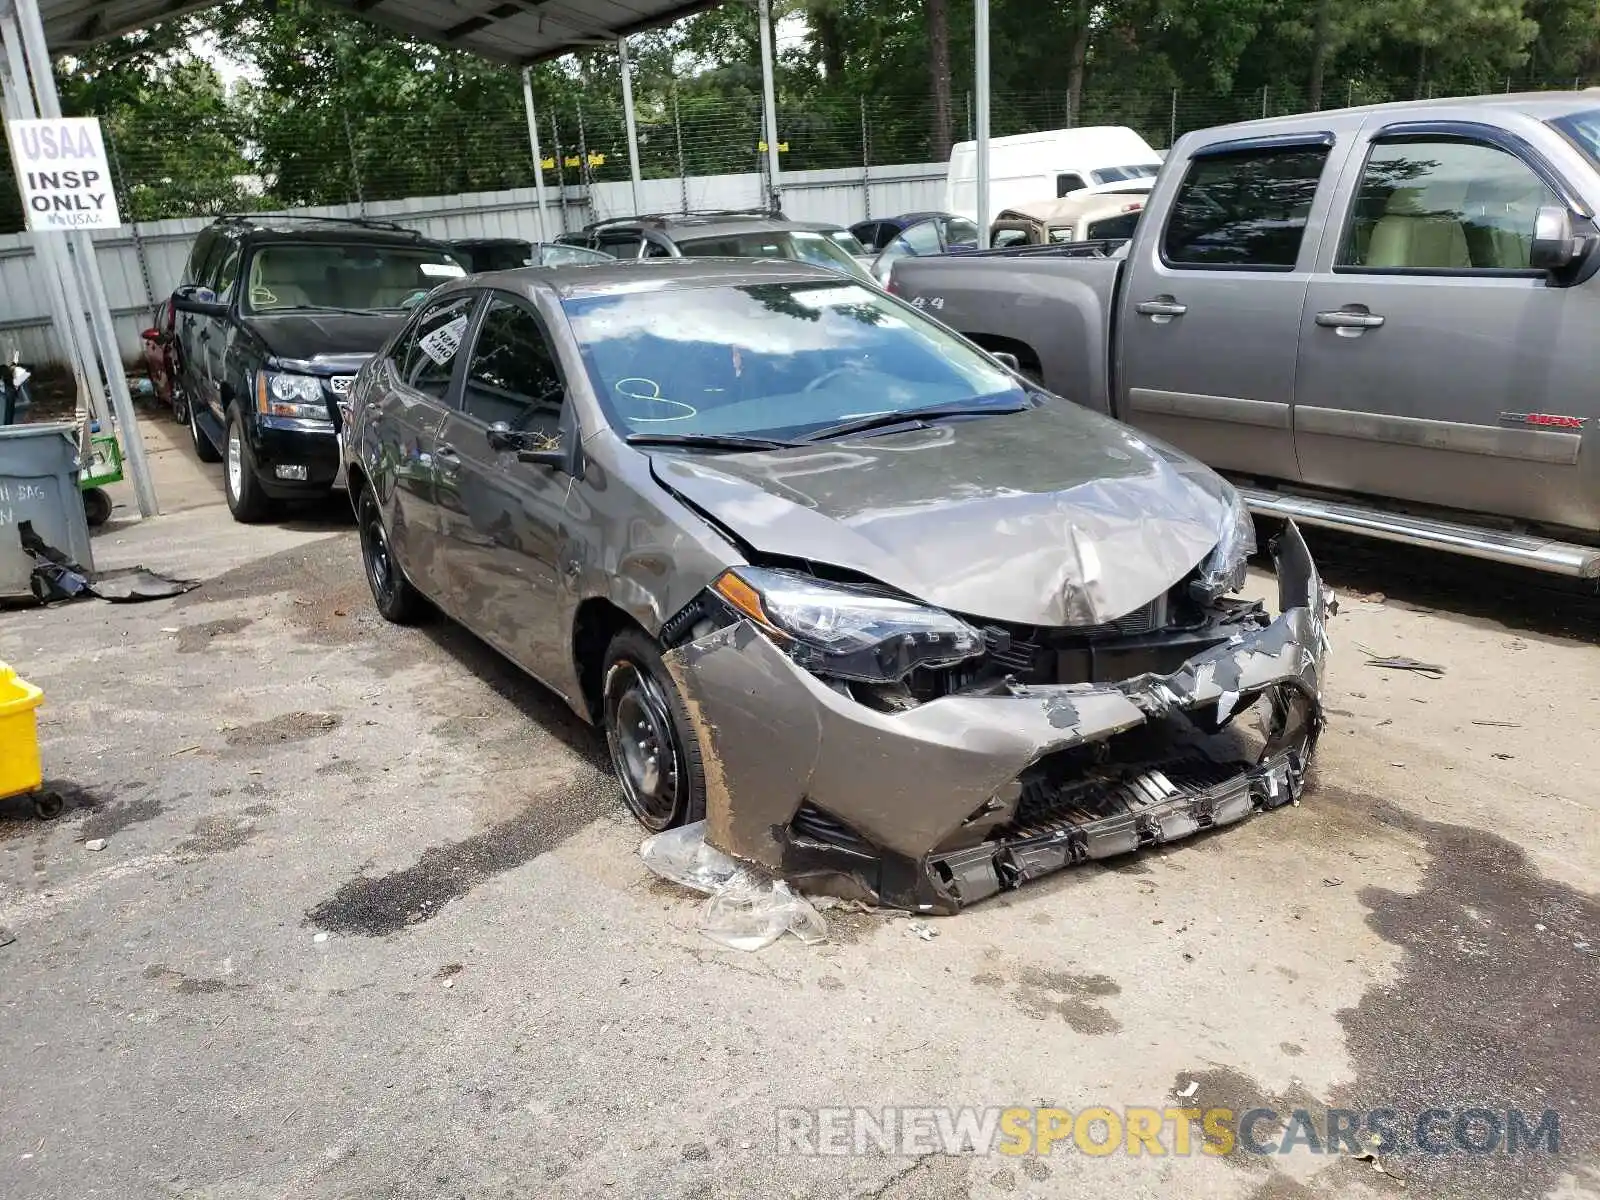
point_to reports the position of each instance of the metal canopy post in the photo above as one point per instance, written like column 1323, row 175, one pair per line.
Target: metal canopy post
column 980, row 44
column 538, row 158
column 769, row 100
column 82, row 246
column 627, row 113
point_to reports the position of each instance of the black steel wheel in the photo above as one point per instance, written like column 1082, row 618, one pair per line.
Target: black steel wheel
column 652, row 743
column 392, row 592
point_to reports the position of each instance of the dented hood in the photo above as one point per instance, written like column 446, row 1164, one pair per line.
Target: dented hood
column 1051, row 516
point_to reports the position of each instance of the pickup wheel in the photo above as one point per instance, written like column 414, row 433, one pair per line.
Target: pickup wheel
column 246, row 500
column 652, row 742
column 392, row 592
column 203, row 449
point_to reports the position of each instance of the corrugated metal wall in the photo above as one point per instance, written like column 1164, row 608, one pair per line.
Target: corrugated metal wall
column 141, row 263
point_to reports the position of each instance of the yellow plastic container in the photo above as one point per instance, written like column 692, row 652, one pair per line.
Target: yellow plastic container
column 20, row 772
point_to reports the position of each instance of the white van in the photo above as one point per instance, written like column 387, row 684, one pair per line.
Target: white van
column 1029, row 167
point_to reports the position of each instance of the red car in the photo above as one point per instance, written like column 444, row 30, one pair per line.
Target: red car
column 161, row 361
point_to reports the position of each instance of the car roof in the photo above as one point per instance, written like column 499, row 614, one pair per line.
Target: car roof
column 1541, row 106
column 682, row 228
column 622, row 276
column 273, row 227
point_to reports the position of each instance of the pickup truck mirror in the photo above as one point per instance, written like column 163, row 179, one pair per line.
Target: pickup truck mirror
column 197, row 299
column 1555, row 247
column 1006, row 359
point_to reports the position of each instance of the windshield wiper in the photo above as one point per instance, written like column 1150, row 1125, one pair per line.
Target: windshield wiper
column 911, row 416
column 710, row 441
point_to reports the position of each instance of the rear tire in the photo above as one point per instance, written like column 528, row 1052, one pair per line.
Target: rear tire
column 246, row 501
column 203, row 449
column 396, row 599
column 652, row 742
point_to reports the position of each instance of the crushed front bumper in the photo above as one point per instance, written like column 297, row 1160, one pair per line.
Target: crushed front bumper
column 946, row 803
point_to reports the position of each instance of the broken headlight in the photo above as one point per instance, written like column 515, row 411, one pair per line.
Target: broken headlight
column 1224, row 568
column 846, row 632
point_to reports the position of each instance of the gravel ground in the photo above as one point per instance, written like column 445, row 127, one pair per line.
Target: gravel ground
column 506, row 1003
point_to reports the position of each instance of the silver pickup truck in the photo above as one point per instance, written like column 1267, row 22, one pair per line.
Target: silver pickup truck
column 1384, row 320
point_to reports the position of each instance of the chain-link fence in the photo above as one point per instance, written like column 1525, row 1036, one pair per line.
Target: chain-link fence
column 309, row 155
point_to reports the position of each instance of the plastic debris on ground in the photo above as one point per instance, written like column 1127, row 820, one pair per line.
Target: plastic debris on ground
column 56, row 577
column 745, row 908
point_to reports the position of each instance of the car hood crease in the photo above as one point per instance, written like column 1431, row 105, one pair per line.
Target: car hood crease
column 1053, row 516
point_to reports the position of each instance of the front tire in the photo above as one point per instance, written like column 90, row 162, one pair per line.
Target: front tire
column 652, row 742
column 392, row 592
column 246, row 501
column 203, row 449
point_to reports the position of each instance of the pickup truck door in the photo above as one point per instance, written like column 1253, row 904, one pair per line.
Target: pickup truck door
column 1210, row 307
column 1435, row 365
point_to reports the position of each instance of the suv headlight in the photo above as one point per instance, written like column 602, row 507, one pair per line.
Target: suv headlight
column 846, row 632
column 279, row 394
column 1224, row 568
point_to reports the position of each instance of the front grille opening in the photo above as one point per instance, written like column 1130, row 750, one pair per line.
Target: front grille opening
column 1158, row 761
column 811, row 822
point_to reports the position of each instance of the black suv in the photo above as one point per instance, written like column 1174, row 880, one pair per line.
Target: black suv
column 732, row 234
column 275, row 315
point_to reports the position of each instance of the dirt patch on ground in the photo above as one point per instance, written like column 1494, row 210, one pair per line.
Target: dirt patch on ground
column 194, row 638
column 114, row 818
column 215, row 835
column 290, row 727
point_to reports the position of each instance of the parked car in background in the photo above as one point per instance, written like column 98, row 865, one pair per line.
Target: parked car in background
column 876, row 233
column 844, row 239
column 1053, row 163
column 891, row 620
column 160, row 353
column 274, row 317
column 940, row 234
column 739, row 234
column 506, row 254
column 1078, row 218
column 1374, row 319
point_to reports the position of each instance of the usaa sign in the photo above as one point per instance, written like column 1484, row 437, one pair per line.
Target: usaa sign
column 63, row 174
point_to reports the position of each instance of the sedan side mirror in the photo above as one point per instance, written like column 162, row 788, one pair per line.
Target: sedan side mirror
column 1555, row 246
column 528, row 447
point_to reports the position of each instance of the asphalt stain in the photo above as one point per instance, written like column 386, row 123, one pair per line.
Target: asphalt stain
column 380, row 905
column 194, row 638
column 258, row 810
column 342, row 767
column 108, row 819
column 1042, row 994
column 289, row 727
column 215, row 835
column 189, row 985
column 1496, row 1004
column 1223, row 1087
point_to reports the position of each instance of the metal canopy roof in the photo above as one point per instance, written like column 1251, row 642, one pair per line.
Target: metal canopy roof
column 508, row 31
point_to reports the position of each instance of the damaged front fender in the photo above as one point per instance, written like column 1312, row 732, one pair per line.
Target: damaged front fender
column 941, row 804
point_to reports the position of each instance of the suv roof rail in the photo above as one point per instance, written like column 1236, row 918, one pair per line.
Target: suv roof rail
column 310, row 218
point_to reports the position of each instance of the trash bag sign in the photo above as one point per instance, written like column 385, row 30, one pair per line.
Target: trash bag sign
column 63, row 174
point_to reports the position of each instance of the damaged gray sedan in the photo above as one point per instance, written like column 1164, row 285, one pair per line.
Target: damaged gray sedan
column 895, row 623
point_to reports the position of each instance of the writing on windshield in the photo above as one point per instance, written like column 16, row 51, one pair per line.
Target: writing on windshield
column 775, row 360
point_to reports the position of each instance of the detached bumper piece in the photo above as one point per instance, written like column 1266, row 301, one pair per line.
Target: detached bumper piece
column 942, row 804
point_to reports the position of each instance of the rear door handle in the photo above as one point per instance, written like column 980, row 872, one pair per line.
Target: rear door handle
column 1161, row 306
column 1346, row 319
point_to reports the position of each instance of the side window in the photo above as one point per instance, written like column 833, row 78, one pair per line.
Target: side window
column 656, row 250
column 867, row 233
column 1010, row 237
column 427, row 355
column 921, row 239
column 1244, row 209
column 1443, row 204
column 1113, row 227
column 204, row 243
column 622, row 245
column 227, row 275
column 958, row 231
column 1068, row 183
column 512, row 374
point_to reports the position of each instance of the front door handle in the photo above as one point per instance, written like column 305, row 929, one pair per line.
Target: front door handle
column 1161, row 306
column 1349, row 318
